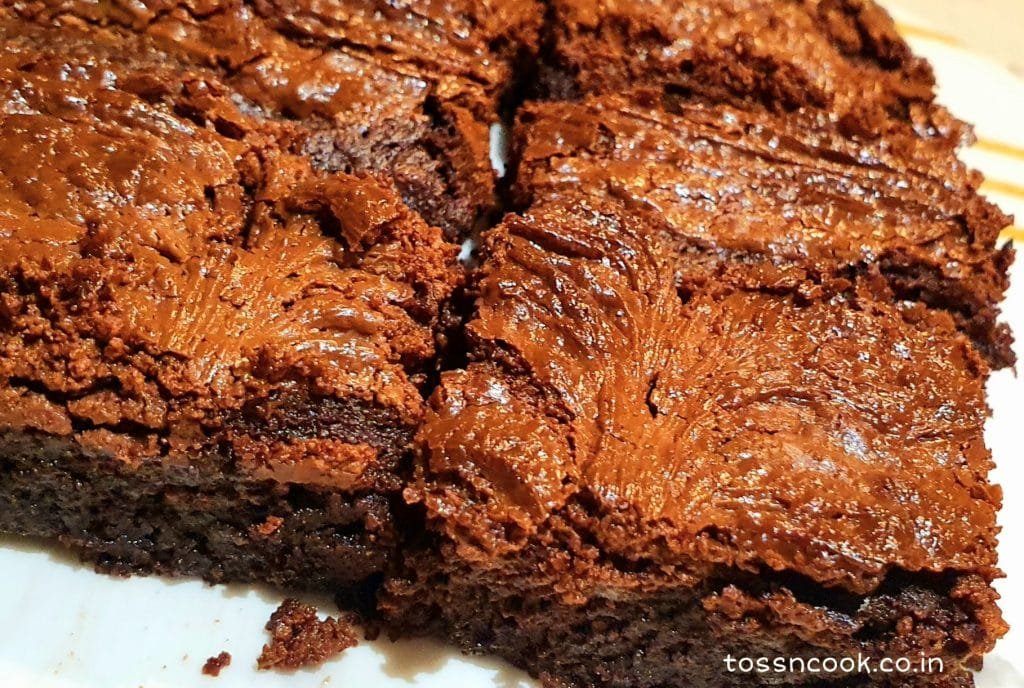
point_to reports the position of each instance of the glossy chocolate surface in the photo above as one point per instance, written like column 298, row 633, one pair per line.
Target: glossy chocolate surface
column 793, row 199
column 841, row 59
column 407, row 91
column 169, row 260
column 828, row 437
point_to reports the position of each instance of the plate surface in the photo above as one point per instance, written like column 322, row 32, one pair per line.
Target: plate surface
column 66, row 627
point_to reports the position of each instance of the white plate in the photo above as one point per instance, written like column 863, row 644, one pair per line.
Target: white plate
column 66, row 627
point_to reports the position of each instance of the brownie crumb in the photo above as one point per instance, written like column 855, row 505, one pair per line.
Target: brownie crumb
column 298, row 638
column 214, row 665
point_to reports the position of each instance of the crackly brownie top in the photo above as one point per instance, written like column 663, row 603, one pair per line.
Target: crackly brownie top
column 435, row 39
column 172, row 273
column 727, row 427
column 406, row 89
column 843, row 59
column 737, row 186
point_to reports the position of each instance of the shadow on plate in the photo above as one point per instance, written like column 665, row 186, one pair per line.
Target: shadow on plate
column 412, row 660
column 999, row 673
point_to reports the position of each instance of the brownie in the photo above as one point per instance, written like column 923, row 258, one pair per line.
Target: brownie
column 408, row 90
column 842, row 60
column 795, row 200
column 213, row 353
column 629, row 483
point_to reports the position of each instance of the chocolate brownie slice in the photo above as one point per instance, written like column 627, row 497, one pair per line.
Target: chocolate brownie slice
column 408, row 90
column 842, row 60
column 212, row 353
column 794, row 200
column 629, row 485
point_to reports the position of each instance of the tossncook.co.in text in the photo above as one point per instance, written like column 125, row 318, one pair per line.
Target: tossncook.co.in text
column 833, row 665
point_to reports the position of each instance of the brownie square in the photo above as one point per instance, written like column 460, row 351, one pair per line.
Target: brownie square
column 409, row 91
column 212, row 352
column 794, row 200
column 629, row 484
column 841, row 60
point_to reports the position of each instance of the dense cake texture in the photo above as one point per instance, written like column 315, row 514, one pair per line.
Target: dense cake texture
column 406, row 90
column 212, row 352
column 630, row 483
column 795, row 201
column 840, row 60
